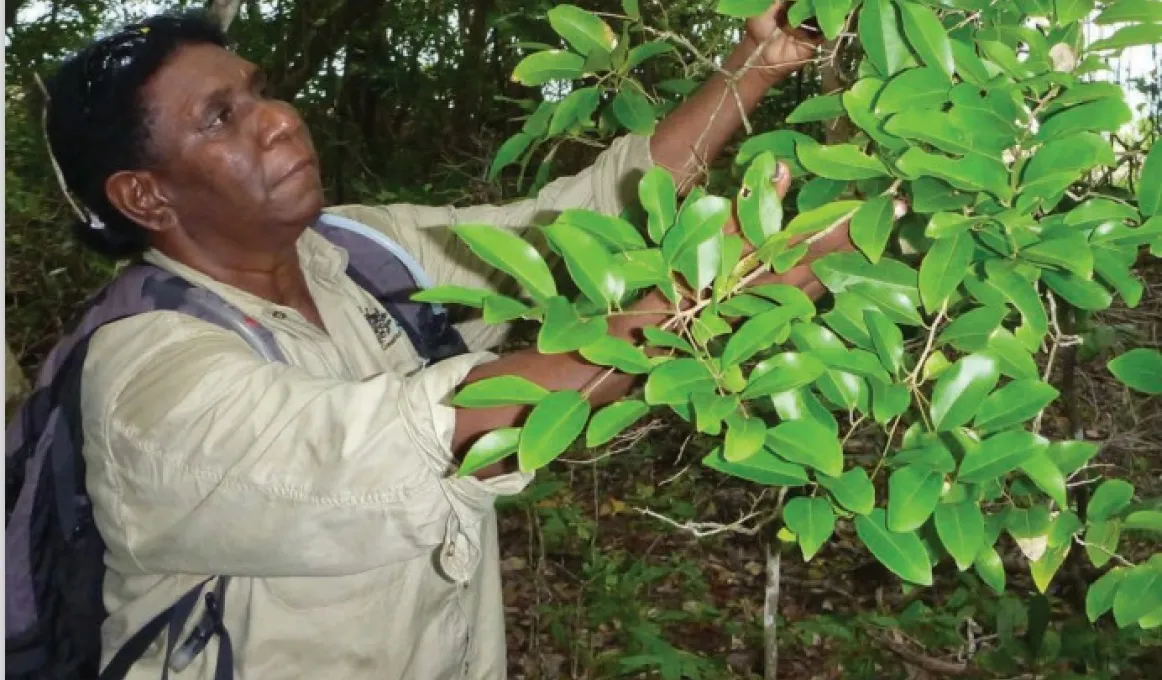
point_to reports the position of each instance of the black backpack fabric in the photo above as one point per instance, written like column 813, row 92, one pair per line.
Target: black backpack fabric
column 54, row 561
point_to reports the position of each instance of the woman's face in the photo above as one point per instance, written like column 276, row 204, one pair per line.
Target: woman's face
column 231, row 166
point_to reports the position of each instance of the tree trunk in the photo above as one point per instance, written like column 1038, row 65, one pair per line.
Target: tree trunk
column 770, row 613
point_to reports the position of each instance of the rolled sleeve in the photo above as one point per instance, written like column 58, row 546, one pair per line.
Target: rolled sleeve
column 204, row 458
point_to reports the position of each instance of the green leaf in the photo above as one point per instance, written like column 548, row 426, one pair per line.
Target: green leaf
column 756, row 335
column 488, row 449
column 588, row 262
column 971, row 173
column 564, row 331
column 459, row 295
column 840, row 161
column 928, row 37
column 1069, row 11
column 813, row 522
column 1044, row 569
column 1139, row 369
column 859, row 102
column 609, row 229
column 742, row 9
column 831, row 16
column 889, row 400
column 1103, row 115
column 701, row 264
column 943, row 268
column 643, row 268
column 969, row 64
column 1118, row 276
column 855, row 361
column 1101, row 541
column 970, row 332
column 1081, row 293
column 808, row 443
column 853, row 490
column 698, row 222
column 1047, row 476
column 511, row 254
column 960, row 527
column 674, row 381
column 578, row 106
column 508, row 152
column 902, row 553
column 502, row 309
column 658, row 337
column 822, row 218
column 634, row 111
column 540, row 67
column 783, row 144
column 782, row 372
column 879, row 32
column 581, row 29
column 1146, row 520
column 934, row 456
column 659, row 199
column 1021, row 293
column 1139, row 594
column 622, row 355
column 938, row 129
column 801, row 403
column 887, row 340
column 1000, row 454
column 1013, row 404
column 1129, row 36
column 913, row 493
column 819, row 191
column 817, row 108
column 744, row 437
column 1070, row 456
column 1069, row 251
column 1127, row 11
column 1099, row 599
column 1027, row 523
column 762, row 468
column 1079, row 152
column 503, row 390
column 917, row 88
column 646, row 51
column 1065, row 526
column 960, row 390
column 760, row 210
column 612, row 420
column 551, row 428
column 787, row 296
column 1111, row 497
column 991, row 570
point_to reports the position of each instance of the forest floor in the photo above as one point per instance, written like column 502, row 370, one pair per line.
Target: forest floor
column 596, row 588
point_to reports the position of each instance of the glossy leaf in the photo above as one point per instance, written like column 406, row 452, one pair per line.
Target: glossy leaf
column 762, row 468
column 817, row 108
column 622, row 355
column 1000, row 454
column 1081, row 293
column 1101, row 541
column 564, row 331
column 840, row 161
column 887, row 340
column 913, row 493
column 551, row 427
column 917, row 88
column 1130, row 11
column 1069, row 251
column 853, row 490
column 756, row 335
column 1013, row 404
column 1099, row 599
column 971, row 331
column 697, row 222
column 742, row 9
column 1047, row 476
column 1103, row 115
column 812, row 520
column 583, row 30
column 881, row 36
column 1150, row 186
column 460, row 295
column 1044, row 569
column 831, row 15
column 960, row 527
column 503, row 390
column 577, row 107
column 488, row 449
column 959, row 391
column 539, row 68
column 902, row 553
column 760, row 210
column 1139, row 594
column 612, row 420
column 502, row 309
column 634, row 111
column 928, row 37
column 613, row 231
column 782, row 372
column 944, row 268
column 659, row 199
column 808, row 443
column 646, row 51
column 1069, row 11
column 1111, row 497
column 744, row 437
column 674, row 381
column 509, row 152
column 1129, row 36
column 822, row 218
column 510, row 254
column 1139, row 369
column 970, row 173
column 1070, row 456
column 990, row 569
column 588, row 262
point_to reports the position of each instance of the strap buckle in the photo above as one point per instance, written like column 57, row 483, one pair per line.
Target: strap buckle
column 210, row 625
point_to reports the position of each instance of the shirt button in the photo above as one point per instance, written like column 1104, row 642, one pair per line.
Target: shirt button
column 278, row 314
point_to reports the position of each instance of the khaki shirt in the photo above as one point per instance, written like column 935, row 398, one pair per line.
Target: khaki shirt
column 323, row 487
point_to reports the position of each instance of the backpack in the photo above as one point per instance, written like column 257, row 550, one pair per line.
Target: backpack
column 54, row 562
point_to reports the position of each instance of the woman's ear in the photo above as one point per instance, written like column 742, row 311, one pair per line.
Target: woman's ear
column 137, row 195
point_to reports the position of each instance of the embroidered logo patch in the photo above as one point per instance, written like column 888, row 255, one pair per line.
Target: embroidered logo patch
column 383, row 325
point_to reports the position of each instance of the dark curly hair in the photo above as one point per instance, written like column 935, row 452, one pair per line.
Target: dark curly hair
column 97, row 123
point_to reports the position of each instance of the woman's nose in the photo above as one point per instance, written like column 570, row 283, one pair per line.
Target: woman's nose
column 278, row 120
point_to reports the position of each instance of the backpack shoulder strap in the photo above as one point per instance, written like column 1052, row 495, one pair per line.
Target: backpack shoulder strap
column 391, row 275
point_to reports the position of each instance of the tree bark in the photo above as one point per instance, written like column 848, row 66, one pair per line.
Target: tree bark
column 770, row 613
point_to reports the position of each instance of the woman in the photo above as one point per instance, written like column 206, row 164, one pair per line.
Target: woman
column 320, row 485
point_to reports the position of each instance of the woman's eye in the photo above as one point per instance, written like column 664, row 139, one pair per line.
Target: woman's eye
column 220, row 118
